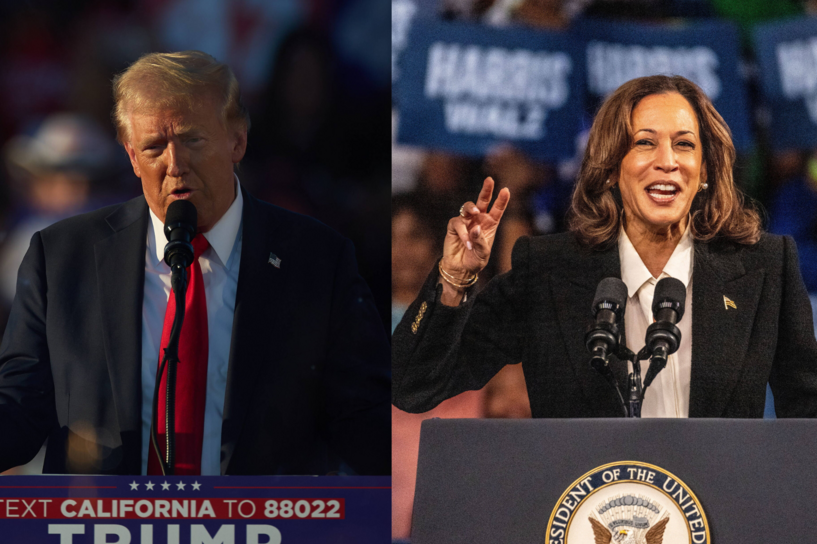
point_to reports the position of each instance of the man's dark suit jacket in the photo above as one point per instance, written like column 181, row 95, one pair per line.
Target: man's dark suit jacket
column 539, row 312
column 308, row 380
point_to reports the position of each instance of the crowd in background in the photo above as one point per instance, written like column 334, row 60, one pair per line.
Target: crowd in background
column 314, row 76
column 429, row 186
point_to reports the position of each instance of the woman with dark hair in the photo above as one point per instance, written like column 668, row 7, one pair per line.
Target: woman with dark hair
column 655, row 198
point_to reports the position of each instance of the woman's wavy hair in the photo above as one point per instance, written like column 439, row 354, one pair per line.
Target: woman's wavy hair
column 595, row 212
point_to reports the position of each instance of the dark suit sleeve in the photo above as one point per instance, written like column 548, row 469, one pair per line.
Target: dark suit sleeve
column 794, row 374
column 440, row 351
column 27, row 411
column 357, row 380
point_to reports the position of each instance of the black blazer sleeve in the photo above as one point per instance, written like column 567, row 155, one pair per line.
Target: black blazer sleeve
column 440, row 351
column 27, row 409
column 794, row 374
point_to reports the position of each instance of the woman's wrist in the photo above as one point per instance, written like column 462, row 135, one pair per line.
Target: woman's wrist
column 456, row 280
column 454, row 286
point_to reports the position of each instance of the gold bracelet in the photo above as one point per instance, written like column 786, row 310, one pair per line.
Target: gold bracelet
column 448, row 278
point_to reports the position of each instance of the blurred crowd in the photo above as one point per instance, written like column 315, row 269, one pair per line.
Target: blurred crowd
column 314, row 75
column 429, row 186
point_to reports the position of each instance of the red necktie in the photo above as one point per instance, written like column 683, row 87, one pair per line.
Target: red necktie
column 191, row 375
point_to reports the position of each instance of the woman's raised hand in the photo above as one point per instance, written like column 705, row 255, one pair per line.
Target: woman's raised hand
column 471, row 235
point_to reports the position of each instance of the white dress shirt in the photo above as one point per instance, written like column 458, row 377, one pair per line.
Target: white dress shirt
column 668, row 396
column 219, row 269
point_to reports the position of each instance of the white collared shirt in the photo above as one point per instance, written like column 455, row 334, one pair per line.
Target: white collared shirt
column 668, row 396
column 219, row 269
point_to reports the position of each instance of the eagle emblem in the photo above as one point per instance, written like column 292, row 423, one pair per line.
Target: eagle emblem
column 629, row 519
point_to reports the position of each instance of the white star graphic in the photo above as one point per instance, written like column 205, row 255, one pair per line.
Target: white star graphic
column 165, row 486
column 149, row 486
column 134, row 485
column 180, row 485
column 196, row 486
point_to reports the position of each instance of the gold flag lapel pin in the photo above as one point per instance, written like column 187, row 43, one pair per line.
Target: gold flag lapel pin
column 728, row 303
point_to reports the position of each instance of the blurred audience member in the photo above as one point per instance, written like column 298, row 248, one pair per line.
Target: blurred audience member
column 545, row 14
column 793, row 211
column 406, row 161
column 414, row 251
column 444, row 181
column 52, row 172
column 539, row 202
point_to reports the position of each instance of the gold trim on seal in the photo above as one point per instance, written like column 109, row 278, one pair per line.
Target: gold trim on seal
column 616, row 464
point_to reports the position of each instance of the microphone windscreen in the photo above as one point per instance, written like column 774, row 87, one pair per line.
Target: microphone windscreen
column 672, row 290
column 181, row 213
column 611, row 290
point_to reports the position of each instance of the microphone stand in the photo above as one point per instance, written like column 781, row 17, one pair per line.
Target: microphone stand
column 635, row 390
column 178, row 282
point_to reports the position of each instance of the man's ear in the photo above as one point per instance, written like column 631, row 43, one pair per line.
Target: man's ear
column 132, row 156
column 239, row 144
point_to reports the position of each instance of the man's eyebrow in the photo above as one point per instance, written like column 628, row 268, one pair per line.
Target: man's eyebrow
column 182, row 131
column 151, row 139
column 187, row 131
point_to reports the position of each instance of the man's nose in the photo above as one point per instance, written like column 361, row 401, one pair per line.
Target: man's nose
column 177, row 160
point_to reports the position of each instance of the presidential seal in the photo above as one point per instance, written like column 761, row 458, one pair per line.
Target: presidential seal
column 628, row 502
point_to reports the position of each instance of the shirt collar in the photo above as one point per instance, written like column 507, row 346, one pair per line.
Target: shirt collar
column 634, row 273
column 221, row 237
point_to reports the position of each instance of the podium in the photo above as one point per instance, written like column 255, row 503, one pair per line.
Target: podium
column 487, row 481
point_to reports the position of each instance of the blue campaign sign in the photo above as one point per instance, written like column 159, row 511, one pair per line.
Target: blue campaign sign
column 465, row 88
column 403, row 13
column 705, row 52
column 195, row 510
column 787, row 55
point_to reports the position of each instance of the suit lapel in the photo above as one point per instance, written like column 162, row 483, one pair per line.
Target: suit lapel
column 258, row 326
column 573, row 297
column 120, row 269
column 720, row 333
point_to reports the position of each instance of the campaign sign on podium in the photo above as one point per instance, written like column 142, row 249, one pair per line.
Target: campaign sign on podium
column 194, row 510
column 641, row 481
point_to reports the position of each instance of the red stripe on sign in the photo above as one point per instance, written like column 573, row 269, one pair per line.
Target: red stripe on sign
column 57, row 487
column 158, row 508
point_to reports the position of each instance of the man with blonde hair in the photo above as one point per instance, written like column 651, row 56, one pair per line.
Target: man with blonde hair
column 284, row 363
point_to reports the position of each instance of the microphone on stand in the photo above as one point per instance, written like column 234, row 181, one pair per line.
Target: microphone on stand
column 181, row 222
column 180, row 228
column 603, row 336
column 663, row 337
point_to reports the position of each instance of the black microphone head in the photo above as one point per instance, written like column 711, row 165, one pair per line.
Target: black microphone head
column 669, row 293
column 181, row 213
column 611, row 294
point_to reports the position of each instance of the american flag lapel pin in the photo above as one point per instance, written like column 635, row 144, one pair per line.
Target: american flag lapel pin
column 274, row 260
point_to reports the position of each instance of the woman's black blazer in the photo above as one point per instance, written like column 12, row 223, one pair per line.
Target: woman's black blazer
column 538, row 314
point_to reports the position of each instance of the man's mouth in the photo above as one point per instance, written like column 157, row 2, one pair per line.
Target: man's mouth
column 181, row 193
column 662, row 192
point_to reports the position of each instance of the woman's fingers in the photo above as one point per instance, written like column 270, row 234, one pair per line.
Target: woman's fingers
column 485, row 194
column 468, row 211
column 462, row 233
column 482, row 249
column 474, row 226
column 500, row 205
